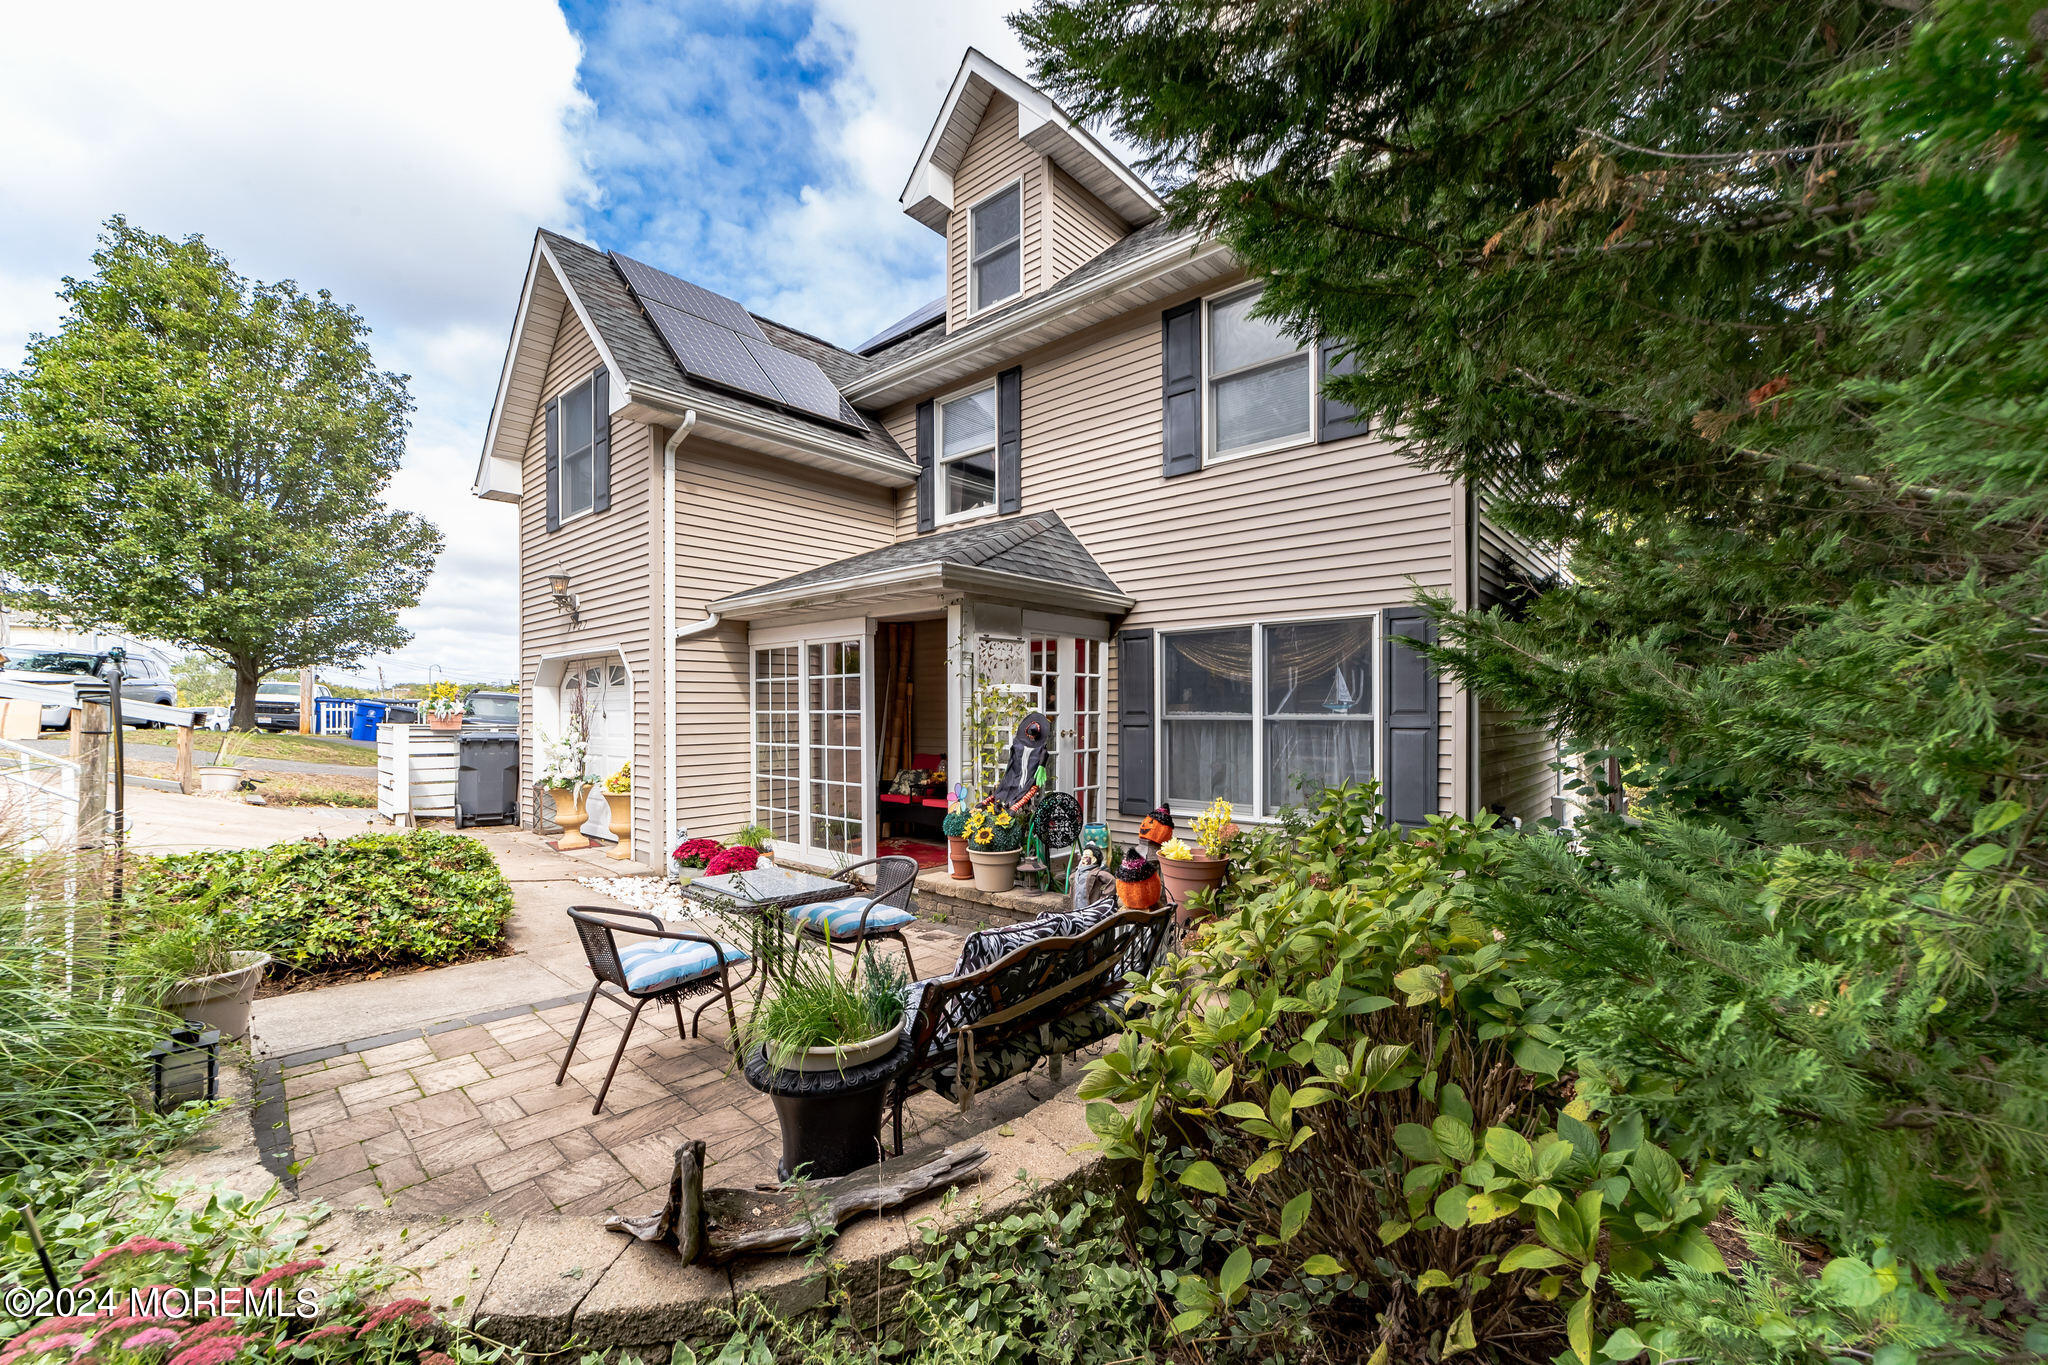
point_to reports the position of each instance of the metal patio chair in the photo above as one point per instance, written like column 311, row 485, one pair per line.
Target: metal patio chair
column 674, row 964
column 854, row 921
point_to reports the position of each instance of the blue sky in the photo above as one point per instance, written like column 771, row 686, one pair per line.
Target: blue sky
column 756, row 147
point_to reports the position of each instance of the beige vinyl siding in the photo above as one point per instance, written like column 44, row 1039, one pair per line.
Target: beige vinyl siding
column 1333, row 530
column 1078, row 229
column 743, row 520
column 608, row 557
column 995, row 157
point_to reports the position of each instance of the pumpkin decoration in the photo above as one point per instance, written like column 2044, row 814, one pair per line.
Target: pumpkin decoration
column 1157, row 828
column 1137, row 882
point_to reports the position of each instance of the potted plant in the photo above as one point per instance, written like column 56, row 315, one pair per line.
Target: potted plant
column 206, row 979
column 618, row 804
column 692, row 854
column 442, row 706
column 956, row 842
column 737, row 858
column 222, row 777
column 813, row 1020
column 562, row 774
column 995, row 842
column 760, row 838
column 1189, row 868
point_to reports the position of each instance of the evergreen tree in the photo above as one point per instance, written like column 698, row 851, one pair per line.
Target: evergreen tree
column 1747, row 305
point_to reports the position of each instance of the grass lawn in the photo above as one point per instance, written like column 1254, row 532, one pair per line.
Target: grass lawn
column 289, row 789
column 259, row 744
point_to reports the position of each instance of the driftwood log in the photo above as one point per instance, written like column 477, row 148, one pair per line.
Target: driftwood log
column 720, row 1224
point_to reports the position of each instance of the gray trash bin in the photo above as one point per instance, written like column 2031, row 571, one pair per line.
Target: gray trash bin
column 487, row 778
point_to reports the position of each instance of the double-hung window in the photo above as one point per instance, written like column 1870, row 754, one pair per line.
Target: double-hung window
column 578, row 484
column 1260, row 385
column 967, row 453
column 1266, row 715
column 996, row 249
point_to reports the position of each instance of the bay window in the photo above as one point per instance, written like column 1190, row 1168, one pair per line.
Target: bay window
column 1266, row 715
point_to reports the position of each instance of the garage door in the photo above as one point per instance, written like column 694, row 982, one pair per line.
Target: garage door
column 598, row 690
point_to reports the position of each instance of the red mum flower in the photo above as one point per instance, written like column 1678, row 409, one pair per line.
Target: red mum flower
column 738, row 858
column 696, row 852
column 134, row 1246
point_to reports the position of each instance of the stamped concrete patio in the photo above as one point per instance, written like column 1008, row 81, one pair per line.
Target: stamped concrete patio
column 465, row 1116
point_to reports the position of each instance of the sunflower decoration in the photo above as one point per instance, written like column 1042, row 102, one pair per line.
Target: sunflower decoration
column 992, row 829
column 1137, row 881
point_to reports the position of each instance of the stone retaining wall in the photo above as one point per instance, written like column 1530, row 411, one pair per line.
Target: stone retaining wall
column 543, row 1281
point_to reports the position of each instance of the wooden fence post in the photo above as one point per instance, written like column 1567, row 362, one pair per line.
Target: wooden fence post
column 186, row 771
column 90, row 744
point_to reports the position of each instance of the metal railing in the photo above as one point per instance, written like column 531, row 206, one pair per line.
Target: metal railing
column 39, row 801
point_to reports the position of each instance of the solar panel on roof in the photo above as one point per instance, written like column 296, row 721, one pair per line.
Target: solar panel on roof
column 802, row 384
column 654, row 286
column 714, row 339
column 710, row 352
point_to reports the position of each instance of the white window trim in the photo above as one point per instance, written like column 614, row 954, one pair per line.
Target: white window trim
column 940, row 460
column 975, row 303
column 563, row 517
column 1257, row 715
column 1210, row 454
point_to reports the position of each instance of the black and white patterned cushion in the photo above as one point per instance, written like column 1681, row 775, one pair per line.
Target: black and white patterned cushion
column 987, row 946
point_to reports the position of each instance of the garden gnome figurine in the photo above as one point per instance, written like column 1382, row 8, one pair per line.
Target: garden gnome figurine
column 1154, row 830
column 1137, row 881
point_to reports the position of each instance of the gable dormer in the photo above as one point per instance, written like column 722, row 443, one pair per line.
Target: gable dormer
column 1022, row 193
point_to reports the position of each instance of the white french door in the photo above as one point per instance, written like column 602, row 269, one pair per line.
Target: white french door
column 1067, row 671
column 812, row 788
column 597, row 695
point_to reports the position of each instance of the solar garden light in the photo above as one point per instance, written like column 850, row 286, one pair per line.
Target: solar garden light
column 185, row 1067
column 558, row 584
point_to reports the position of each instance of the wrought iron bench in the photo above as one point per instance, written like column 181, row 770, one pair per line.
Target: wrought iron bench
column 1042, row 999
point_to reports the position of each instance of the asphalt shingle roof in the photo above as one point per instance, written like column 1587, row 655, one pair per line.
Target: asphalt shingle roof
column 1038, row 545
column 639, row 352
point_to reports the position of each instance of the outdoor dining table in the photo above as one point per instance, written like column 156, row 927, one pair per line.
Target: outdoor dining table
column 766, row 889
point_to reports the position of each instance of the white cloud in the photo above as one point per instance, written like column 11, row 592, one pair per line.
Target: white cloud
column 397, row 154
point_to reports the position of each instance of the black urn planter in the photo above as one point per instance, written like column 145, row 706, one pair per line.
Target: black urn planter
column 831, row 1120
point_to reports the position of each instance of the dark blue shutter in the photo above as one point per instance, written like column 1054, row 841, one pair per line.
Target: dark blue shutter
column 600, row 440
column 1134, row 784
column 1335, row 420
column 1180, row 386
column 924, row 466
column 554, row 463
column 1408, row 766
column 1009, row 440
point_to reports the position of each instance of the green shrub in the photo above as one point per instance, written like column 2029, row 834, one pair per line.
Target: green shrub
column 955, row 824
column 1341, row 1077
column 374, row 900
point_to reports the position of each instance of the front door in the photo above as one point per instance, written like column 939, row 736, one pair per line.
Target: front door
column 811, row 784
column 597, row 692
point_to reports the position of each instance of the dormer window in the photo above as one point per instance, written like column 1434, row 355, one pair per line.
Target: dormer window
column 996, row 270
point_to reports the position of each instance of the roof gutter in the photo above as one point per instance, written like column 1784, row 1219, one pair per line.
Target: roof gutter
column 1182, row 250
column 871, row 465
column 935, row 575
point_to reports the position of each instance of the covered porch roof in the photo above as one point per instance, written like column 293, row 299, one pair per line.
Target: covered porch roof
column 1031, row 560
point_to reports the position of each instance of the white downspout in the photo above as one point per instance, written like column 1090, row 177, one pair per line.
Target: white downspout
column 670, row 796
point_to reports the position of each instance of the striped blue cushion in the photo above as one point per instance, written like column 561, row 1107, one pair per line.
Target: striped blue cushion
column 842, row 917
column 663, row 962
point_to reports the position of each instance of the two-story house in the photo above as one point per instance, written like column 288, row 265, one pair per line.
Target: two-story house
column 770, row 573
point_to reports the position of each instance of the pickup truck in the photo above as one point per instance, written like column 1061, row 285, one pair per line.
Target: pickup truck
column 277, row 704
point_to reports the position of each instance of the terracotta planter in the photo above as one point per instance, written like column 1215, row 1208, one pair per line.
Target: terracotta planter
column 994, row 871
column 445, row 723
column 222, row 1000
column 570, row 815
column 620, row 804
column 1185, row 876
column 956, row 854
column 219, row 780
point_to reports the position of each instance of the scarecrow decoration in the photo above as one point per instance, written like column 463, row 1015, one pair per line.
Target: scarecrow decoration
column 1023, row 773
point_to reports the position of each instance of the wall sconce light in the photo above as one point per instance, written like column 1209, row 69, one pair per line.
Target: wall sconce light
column 558, row 584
